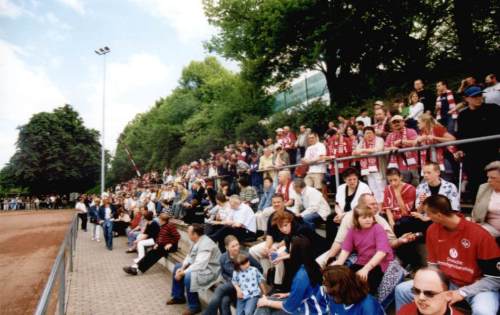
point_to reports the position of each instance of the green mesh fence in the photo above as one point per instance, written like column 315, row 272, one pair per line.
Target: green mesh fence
column 301, row 92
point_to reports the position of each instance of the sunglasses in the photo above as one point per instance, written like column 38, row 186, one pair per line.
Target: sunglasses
column 428, row 294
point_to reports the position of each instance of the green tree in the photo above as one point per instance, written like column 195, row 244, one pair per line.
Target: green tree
column 55, row 153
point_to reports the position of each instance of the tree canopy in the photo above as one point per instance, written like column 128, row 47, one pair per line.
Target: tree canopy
column 361, row 46
column 210, row 108
column 55, row 153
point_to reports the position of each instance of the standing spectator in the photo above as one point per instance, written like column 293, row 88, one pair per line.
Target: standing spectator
column 266, row 163
column 352, row 134
column 430, row 294
column 337, row 146
column 289, row 140
column 477, row 120
column 402, row 137
column 347, row 293
column 248, row 194
column 199, row 270
column 372, row 167
column 302, row 140
column 247, row 280
column 363, row 116
column 425, row 97
column 285, row 188
column 255, row 176
column 106, row 214
column 82, row 212
column 464, row 252
column 265, row 199
column 94, row 219
column 445, row 103
column 314, row 154
column 316, row 208
column 416, row 109
column 381, row 125
column 432, row 132
column 149, row 236
column 492, row 92
column 369, row 240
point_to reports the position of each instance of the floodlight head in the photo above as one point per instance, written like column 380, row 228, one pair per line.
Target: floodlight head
column 101, row 50
column 96, row 52
column 106, row 48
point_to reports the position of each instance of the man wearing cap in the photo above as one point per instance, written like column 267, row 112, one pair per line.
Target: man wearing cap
column 466, row 253
column 479, row 119
column 402, row 137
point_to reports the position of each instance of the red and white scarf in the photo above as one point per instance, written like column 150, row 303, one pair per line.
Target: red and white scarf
column 286, row 193
column 451, row 104
column 410, row 157
column 337, row 147
column 369, row 164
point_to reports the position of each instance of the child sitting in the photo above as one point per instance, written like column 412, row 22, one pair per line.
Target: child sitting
column 246, row 281
column 369, row 240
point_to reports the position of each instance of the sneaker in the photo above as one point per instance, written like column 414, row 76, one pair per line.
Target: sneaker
column 176, row 301
column 130, row 251
column 130, row 270
column 191, row 312
column 98, row 240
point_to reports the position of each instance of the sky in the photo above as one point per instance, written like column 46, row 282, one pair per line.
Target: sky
column 47, row 58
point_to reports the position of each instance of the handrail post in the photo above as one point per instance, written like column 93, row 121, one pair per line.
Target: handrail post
column 71, row 244
column 433, row 154
column 337, row 180
column 62, row 288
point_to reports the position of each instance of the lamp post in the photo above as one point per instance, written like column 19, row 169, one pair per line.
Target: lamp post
column 102, row 52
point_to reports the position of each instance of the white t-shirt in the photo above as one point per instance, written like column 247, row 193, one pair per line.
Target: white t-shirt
column 245, row 215
column 366, row 120
column 313, row 152
column 416, row 110
column 80, row 206
column 492, row 94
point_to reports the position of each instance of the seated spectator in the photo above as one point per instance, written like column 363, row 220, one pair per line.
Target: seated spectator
column 365, row 201
column 347, row 293
column 265, row 200
column 193, row 209
column 432, row 185
column 315, row 153
column 181, row 195
column 305, row 286
column 248, row 283
column 255, row 176
column 219, row 214
column 431, row 294
column 148, row 236
column 242, row 224
column 225, row 293
column 273, row 241
column 371, row 167
column 316, row 208
column 199, row 270
column 486, row 210
column 402, row 137
column 364, row 117
column 345, row 200
column 248, row 194
column 464, row 252
column 266, row 163
column 135, row 229
column 166, row 242
column 281, row 157
column 369, row 240
column 122, row 221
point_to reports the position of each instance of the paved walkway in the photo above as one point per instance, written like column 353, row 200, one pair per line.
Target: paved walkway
column 99, row 285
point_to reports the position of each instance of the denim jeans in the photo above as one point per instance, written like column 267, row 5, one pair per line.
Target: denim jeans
column 178, row 288
column 132, row 236
column 246, row 306
column 221, row 301
column 107, row 227
column 270, row 311
column 484, row 303
column 310, row 219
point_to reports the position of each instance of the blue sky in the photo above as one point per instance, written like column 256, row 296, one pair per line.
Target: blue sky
column 47, row 58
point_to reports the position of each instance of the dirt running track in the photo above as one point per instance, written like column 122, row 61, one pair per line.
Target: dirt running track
column 29, row 242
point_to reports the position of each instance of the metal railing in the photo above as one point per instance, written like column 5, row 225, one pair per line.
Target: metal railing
column 62, row 264
column 432, row 147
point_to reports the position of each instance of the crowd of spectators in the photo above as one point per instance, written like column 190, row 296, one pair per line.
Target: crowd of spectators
column 313, row 247
column 52, row 201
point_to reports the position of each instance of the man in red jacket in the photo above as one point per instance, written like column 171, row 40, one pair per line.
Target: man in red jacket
column 165, row 243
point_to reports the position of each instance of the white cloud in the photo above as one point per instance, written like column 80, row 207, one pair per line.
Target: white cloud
column 186, row 17
column 132, row 87
column 75, row 5
column 10, row 9
column 24, row 91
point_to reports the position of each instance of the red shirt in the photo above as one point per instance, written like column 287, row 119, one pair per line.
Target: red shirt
column 408, row 193
column 136, row 220
column 411, row 309
column 459, row 252
column 168, row 235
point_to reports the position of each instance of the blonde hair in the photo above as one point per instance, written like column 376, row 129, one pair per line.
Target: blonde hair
column 410, row 96
column 428, row 121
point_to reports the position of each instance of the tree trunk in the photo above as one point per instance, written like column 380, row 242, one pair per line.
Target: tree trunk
column 463, row 23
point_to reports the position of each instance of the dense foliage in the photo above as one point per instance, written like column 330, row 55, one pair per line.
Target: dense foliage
column 361, row 46
column 210, row 108
column 55, row 153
